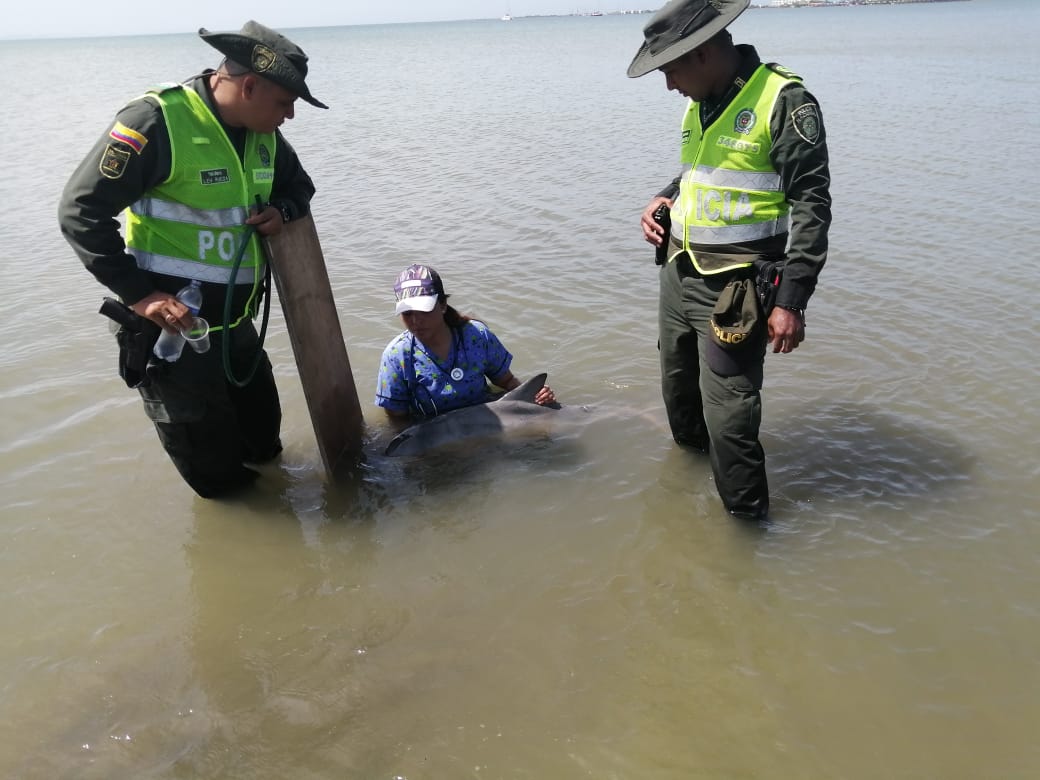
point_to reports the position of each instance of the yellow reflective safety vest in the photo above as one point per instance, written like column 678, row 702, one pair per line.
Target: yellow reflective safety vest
column 729, row 192
column 192, row 225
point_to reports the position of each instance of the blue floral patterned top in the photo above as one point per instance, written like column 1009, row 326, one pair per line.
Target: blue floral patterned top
column 414, row 380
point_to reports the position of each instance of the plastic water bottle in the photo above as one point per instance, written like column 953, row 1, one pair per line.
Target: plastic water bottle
column 169, row 346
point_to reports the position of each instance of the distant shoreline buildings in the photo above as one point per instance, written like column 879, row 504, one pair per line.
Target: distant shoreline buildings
column 770, row 4
column 831, row 3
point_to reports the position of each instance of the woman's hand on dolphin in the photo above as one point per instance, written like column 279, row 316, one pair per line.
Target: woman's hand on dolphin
column 544, row 397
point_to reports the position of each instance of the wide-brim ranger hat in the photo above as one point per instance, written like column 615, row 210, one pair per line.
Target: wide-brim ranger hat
column 680, row 26
column 418, row 288
column 267, row 53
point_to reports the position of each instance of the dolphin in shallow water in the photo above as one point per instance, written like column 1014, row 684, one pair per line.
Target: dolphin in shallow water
column 511, row 410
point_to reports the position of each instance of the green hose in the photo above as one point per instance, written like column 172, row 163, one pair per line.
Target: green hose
column 226, row 330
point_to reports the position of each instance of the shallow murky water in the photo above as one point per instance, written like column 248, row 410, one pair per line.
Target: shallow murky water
column 576, row 603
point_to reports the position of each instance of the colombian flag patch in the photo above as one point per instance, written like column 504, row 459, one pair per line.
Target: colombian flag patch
column 125, row 135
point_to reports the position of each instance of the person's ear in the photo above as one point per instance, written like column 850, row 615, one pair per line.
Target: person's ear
column 248, row 87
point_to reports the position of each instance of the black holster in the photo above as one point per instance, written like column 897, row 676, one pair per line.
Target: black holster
column 136, row 338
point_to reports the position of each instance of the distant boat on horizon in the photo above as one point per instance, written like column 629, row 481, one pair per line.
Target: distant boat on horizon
column 506, row 18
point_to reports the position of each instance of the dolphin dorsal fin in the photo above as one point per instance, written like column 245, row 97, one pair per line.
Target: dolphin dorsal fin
column 527, row 390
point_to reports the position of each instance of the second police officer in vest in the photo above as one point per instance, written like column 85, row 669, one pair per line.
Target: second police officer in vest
column 754, row 187
column 187, row 163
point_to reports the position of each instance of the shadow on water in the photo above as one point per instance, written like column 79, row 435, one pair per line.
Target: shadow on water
column 847, row 452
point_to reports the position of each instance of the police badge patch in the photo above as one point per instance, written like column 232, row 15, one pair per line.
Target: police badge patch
column 113, row 162
column 263, row 58
column 745, row 121
column 265, row 155
column 806, row 121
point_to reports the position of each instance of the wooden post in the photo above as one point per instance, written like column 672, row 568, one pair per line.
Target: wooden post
column 298, row 266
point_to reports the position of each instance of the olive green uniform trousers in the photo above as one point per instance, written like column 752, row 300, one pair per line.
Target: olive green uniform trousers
column 720, row 415
column 208, row 425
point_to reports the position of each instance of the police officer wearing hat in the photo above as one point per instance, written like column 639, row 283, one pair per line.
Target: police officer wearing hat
column 754, row 189
column 188, row 163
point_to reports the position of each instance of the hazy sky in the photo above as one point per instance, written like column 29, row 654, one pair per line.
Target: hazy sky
column 69, row 18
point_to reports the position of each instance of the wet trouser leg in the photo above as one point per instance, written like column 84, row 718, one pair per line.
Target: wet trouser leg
column 733, row 411
column 209, row 427
column 680, row 364
column 729, row 408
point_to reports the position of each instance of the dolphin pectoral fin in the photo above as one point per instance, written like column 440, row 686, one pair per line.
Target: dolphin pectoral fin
column 397, row 442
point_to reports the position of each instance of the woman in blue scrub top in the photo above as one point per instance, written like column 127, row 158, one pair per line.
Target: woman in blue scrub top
column 444, row 360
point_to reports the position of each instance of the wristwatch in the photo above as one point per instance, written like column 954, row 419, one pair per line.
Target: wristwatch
column 796, row 310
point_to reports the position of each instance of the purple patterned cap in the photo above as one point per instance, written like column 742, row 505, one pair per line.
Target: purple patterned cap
column 417, row 288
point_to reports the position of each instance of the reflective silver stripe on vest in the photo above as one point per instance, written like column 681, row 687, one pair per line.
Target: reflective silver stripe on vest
column 734, row 234
column 739, row 180
column 189, row 269
column 178, row 212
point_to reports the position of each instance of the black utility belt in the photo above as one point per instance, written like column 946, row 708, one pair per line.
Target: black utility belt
column 686, row 268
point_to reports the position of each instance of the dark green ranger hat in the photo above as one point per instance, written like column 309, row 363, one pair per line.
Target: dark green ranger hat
column 266, row 53
column 680, row 27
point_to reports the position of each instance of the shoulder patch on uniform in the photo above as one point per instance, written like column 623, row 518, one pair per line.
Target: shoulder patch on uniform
column 806, row 120
column 131, row 138
column 113, row 162
column 787, row 73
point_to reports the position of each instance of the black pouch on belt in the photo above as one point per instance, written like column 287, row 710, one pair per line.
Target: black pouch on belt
column 767, row 281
